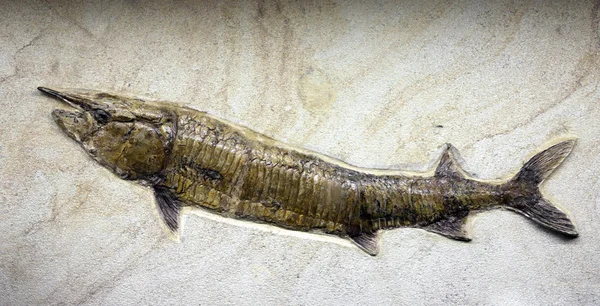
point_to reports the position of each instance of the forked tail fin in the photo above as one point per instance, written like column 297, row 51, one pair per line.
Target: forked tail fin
column 527, row 198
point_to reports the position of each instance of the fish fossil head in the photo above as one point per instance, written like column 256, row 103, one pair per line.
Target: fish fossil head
column 129, row 136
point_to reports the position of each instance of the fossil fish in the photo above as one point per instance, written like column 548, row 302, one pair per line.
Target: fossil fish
column 190, row 158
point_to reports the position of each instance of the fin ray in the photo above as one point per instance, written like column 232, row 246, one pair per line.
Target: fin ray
column 168, row 206
column 448, row 166
column 367, row 242
column 545, row 214
column 530, row 201
column 540, row 166
column 452, row 228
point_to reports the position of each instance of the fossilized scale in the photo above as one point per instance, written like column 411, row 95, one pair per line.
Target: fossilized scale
column 191, row 158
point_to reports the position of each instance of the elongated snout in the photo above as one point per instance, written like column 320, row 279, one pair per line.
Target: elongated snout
column 105, row 107
column 81, row 99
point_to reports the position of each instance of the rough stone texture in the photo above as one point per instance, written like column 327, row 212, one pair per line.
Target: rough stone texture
column 375, row 84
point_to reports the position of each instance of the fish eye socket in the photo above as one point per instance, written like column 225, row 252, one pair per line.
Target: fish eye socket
column 101, row 116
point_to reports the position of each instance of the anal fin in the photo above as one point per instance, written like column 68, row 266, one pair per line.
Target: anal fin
column 168, row 206
column 367, row 242
column 451, row 227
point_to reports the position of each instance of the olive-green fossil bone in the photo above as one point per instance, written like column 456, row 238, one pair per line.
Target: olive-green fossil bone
column 191, row 158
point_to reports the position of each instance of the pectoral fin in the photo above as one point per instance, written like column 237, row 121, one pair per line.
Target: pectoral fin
column 367, row 242
column 168, row 206
column 451, row 228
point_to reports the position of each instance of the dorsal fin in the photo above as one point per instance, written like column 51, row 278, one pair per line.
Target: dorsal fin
column 448, row 166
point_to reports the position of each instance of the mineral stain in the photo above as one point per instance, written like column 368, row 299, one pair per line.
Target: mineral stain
column 190, row 158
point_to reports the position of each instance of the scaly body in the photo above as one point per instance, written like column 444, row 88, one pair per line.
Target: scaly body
column 193, row 159
column 228, row 170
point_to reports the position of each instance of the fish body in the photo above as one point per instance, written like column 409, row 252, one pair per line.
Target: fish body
column 190, row 158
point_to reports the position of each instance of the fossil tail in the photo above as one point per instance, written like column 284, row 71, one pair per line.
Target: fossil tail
column 529, row 201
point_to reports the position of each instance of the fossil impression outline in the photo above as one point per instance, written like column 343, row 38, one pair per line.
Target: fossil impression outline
column 190, row 158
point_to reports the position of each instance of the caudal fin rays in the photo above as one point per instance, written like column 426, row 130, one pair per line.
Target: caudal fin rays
column 541, row 165
column 530, row 202
column 547, row 215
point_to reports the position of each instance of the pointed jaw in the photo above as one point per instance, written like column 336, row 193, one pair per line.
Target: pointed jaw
column 105, row 107
column 84, row 100
column 80, row 123
column 94, row 110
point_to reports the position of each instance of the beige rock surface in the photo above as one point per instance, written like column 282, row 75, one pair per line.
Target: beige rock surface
column 376, row 84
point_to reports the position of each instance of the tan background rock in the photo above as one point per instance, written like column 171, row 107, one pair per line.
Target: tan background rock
column 376, row 84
